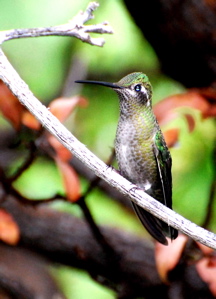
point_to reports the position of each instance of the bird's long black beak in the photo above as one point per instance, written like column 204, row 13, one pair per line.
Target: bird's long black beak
column 107, row 84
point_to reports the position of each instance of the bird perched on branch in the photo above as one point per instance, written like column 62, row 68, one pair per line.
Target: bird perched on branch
column 142, row 155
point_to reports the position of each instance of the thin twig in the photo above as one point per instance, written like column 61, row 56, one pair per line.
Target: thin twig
column 74, row 28
column 27, row 163
column 10, row 190
column 95, row 229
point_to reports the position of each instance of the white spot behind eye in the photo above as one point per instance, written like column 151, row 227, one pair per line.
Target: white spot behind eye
column 143, row 89
column 148, row 102
column 147, row 185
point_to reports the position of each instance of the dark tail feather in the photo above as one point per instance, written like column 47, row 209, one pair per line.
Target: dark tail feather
column 157, row 228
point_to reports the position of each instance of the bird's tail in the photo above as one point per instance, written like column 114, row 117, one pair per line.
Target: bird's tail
column 157, row 228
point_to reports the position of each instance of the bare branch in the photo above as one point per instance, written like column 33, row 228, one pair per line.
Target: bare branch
column 64, row 239
column 24, row 274
column 74, row 27
column 20, row 89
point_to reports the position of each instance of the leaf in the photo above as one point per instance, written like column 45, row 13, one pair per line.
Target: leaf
column 171, row 136
column 166, row 110
column 209, row 94
column 61, row 152
column 9, row 230
column 167, row 257
column 10, row 106
column 70, row 180
column 206, row 269
column 205, row 249
column 62, row 107
column 30, row 121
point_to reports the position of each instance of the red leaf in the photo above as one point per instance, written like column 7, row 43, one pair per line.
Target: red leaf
column 209, row 94
column 171, row 136
column 62, row 152
column 167, row 257
column 10, row 106
column 30, row 121
column 205, row 249
column 206, row 269
column 9, row 230
column 63, row 107
column 70, row 180
column 166, row 110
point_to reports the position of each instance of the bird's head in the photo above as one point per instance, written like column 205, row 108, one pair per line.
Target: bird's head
column 134, row 88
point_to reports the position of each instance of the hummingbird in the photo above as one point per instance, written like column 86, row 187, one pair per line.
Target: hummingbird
column 141, row 151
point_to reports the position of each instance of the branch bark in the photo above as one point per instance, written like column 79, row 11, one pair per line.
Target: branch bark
column 24, row 275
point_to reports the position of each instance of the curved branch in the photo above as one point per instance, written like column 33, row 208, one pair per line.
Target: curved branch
column 20, row 89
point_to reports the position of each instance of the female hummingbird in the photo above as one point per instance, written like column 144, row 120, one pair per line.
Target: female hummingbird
column 141, row 152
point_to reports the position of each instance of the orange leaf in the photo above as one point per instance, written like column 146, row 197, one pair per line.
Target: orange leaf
column 205, row 249
column 167, row 257
column 62, row 152
column 9, row 230
column 63, row 107
column 209, row 94
column 70, row 180
column 10, row 106
column 166, row 109
column 30, row 121
column 171, row 136
column 206, row 269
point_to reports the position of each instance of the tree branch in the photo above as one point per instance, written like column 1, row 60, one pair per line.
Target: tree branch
column 20, row 89
column 74, row 27
column 130, row 270
column 24, row 274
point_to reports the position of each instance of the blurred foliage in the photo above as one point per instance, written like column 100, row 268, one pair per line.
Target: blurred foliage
column 45, row 185
column 41, row 62
column 44, row 64
column 78, row 285
column 193, row 168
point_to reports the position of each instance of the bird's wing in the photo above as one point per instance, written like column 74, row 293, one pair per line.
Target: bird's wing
column 156, row 227
column 164, row 163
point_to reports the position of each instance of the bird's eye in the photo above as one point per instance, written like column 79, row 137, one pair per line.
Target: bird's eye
column 138, row 87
